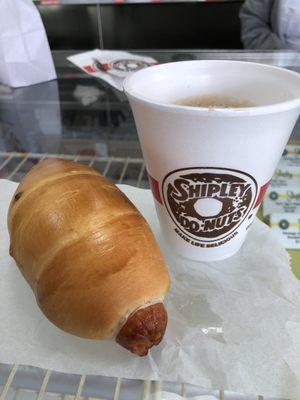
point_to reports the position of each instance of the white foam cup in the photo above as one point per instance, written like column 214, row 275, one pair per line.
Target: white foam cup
column 209, row 167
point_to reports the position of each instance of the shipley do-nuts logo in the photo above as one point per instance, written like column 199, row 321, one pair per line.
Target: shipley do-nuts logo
column 208, row 204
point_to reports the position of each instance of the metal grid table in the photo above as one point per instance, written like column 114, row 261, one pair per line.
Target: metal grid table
column 22, row 383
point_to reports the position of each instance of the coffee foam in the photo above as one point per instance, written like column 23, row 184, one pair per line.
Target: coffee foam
column 214, row 101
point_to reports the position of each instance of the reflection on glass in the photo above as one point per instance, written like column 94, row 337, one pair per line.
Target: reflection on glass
column 30, row 117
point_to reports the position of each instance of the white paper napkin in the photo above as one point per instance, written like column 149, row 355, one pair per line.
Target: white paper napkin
column 233, row 324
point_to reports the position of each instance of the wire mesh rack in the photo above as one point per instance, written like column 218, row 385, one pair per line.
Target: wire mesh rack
column 26, row 382
column 128, row 170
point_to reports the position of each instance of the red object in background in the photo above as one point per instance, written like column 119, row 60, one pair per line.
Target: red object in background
column 90, row 69
column 49, row 2
column 261, row 194
column 155, row 188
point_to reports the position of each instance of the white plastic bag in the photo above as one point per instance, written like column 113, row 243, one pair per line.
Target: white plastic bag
column 25, row 57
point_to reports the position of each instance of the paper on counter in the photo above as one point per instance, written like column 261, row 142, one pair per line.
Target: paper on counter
column 283, row 194
column 286, row 176
column 282, row 200
column 287, row 229
column 291, row 155
column 111, row 66
column 233, row 324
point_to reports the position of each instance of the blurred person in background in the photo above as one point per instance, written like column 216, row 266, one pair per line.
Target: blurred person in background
column 270, row 24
